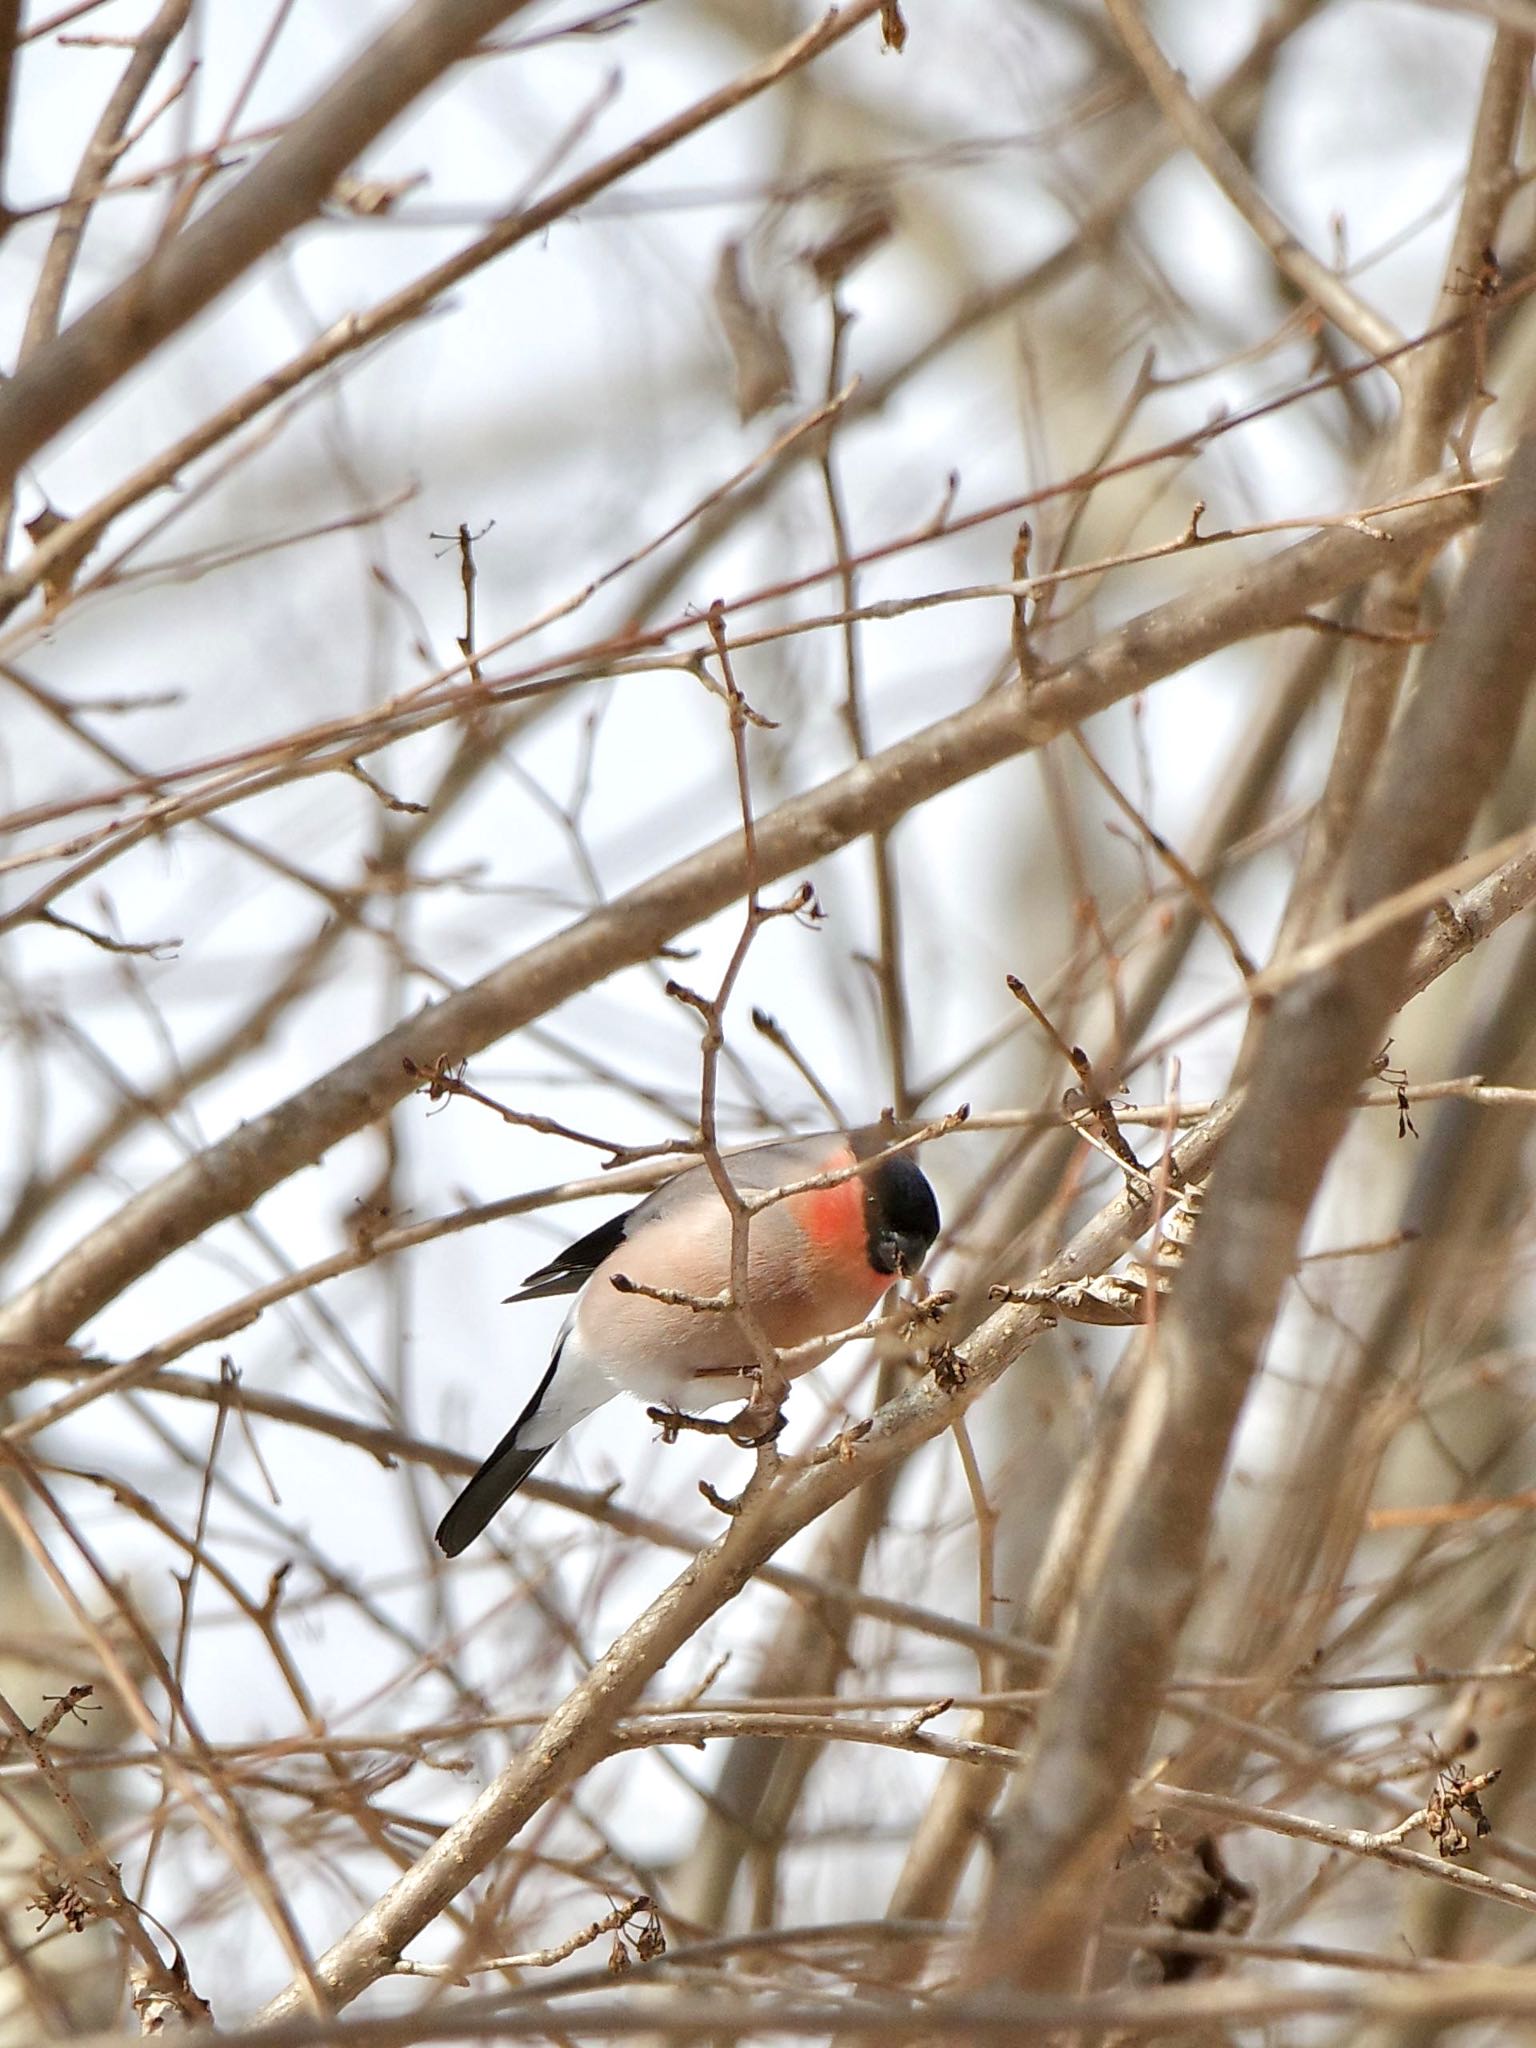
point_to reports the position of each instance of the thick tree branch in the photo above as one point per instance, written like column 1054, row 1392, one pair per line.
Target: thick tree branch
column 1443, row 374
column 346, row 337
column 282, row 192
column 231, row 1175
column 1063, row 1818
column 579, row 1732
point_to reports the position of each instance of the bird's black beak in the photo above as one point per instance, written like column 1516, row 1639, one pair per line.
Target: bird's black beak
column 903, row 1252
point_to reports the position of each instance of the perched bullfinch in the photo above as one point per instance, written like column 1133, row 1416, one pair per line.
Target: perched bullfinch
column 817, row 1262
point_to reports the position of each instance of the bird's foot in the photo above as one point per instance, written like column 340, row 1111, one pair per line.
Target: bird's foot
column 763, row 1418
column 672, row 1422
column 752, row 1426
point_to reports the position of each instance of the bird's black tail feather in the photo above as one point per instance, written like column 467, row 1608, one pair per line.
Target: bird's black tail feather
column 491, row 1488
column 496, row 1481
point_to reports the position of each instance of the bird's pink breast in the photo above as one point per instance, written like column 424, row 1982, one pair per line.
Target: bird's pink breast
column 810, row 1275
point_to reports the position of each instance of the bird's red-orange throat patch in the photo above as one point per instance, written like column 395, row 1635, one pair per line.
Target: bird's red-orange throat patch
column 833, row 1218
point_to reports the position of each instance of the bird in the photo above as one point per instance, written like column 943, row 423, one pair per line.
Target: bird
column 818, row 1261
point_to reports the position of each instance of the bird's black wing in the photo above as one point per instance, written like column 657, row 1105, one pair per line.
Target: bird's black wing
column 575, row 1266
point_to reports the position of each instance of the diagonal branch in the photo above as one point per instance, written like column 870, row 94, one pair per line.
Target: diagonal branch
column 346, row 337
column 283, row 191
column 1351, row 314
column 579, row 1733
column 101, row 153
column 230, row 1176
column 1063, row 1820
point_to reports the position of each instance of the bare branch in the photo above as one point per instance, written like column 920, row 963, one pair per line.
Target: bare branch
column 230, row 1176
